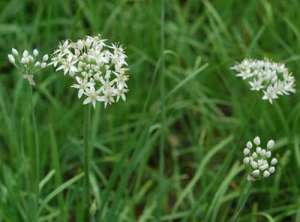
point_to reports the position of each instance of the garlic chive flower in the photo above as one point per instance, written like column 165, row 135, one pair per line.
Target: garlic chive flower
column 28, row 63
column 99, row 69
column 272, row 79
column 258, row 160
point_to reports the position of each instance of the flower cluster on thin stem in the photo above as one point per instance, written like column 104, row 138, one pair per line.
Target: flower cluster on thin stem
column 273, row 79
column 28, row 63
column 99, row 69
column 258, row 160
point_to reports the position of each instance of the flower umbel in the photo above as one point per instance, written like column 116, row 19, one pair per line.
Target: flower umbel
column 258, row 160
column 98, row 69
column 273, row 79
column 28, row 63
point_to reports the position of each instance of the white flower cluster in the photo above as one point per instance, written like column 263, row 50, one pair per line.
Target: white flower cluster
column 28, row 63
column 98, row 69
column 259, row 160
column 273, row 79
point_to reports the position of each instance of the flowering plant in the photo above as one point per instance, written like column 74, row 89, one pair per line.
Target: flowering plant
column 99, row 69
column 273, row 79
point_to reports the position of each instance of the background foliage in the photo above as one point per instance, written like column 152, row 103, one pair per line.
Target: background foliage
column 173, row 151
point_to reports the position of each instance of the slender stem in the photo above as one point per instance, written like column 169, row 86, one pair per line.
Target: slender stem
column 163, row 112
column 87, row 153
column 242, row 200
column 36, row 158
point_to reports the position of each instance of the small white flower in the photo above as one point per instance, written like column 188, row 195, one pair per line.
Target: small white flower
column 92, row 96
column 69, row 66
column 82, row 85
column 270, row 94
column 256, row 85
column 63, row 48
column 121, row 93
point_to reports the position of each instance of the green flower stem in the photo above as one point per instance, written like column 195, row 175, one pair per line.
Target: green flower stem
column 87, row 159
column 35, row 158
column 246, row 188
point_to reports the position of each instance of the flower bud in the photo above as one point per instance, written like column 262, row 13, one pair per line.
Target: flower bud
column 263, row 152
column 254, row 164
column 268, row 154
column 35, row 52
column 25, row 53
column 43, row 65
column 266, row 173
column 246, row 160
column 249, row 145
column 255, row 173
column 246, row 151
column 270, row 144
column 258, row 149
column 14, row 51
column 45, row 58
column 272, row 169
column 274, row 161
column 257, row 140
column 11, row 59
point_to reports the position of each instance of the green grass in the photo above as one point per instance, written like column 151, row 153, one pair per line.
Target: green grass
column 173, row 151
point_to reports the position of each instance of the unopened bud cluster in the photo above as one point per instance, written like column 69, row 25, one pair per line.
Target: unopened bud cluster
column 258, row 160
column 29, row 63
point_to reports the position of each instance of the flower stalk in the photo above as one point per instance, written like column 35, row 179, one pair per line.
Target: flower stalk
column 29, row 63
column 244, row 196
column 87, row 158
column 35, row 157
